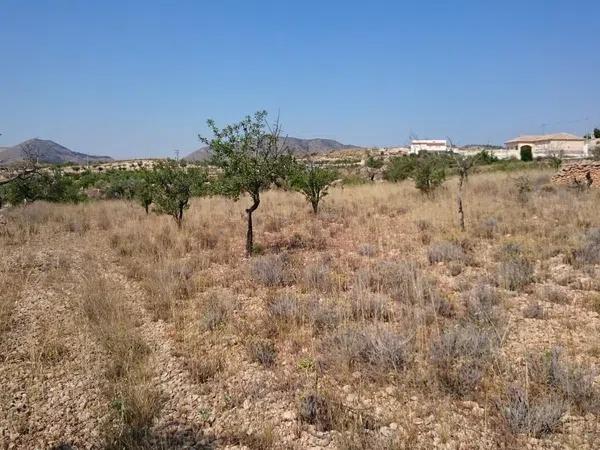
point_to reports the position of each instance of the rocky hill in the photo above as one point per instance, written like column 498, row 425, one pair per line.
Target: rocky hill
column 296, row 145
column 48, row 152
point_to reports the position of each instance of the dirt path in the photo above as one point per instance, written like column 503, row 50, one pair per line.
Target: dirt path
column 51, row 393
column 183, row 413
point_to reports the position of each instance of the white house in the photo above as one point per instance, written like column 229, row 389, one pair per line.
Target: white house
column 547, row 144
column 428, row 145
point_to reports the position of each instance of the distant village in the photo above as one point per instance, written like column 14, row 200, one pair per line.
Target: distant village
column 543, row 145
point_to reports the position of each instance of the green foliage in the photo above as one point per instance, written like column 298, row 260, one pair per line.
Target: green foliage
column 52, row 186
column 526, row 153
column 173, row 185
column 352, row 179
column 144, row 191
column 121, row 185
column 400, row 168
column 485, row 157
column 313, row 182
column 555, row 159
column 596, row 133
column 252, row 157
column 374, row 163
column 429, row 173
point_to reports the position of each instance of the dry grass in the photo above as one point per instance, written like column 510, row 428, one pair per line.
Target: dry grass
column 345, row 317
column 132, row 396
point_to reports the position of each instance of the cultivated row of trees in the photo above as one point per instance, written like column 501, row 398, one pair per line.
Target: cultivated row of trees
column 246, row 158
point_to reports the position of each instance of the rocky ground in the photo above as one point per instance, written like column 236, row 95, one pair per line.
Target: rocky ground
column 377, row 325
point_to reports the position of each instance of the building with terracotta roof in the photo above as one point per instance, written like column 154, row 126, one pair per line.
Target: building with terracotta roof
column 428, row 145
column 547, row 144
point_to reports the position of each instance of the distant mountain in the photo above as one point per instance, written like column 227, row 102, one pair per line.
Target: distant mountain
column 296, row 145
column 48, row 152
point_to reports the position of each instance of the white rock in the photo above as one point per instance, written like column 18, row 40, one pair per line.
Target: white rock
column 288, row 415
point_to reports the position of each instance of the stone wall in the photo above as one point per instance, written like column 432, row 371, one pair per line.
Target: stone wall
column 579, row 173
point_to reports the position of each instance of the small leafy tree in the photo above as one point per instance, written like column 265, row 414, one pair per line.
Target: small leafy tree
column 555, row 158
column 144, row 192
column 464, row 165
column 486, row 157
column 251, row 156
column 400, row 168
column 28, row 167
column 173, row 185
column 60, row 188
column 429, row 173
column 52, row 186
column 313, row 181
column 526, row 153
column 374, row 163
column 596, row 133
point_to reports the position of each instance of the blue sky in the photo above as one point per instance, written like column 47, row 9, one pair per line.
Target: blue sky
column 140, row 78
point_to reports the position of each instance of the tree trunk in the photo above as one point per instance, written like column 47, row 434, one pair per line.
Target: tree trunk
column 250, row 233
column 461, row 212
column 315, row 206
column 147, row 207
column 179, row 216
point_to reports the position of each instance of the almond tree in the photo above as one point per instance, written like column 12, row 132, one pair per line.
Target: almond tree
column 28, row 167
column 464, row 164
column 252, row 156
column 173, row 184
column 313, row 181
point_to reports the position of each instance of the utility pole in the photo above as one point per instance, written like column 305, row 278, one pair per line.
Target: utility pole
column 176, row 154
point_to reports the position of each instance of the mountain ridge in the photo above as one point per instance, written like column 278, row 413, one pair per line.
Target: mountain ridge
column 47, row 152
column 298, row 146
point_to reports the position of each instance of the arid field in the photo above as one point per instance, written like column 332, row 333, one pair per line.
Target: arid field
column 377, row 324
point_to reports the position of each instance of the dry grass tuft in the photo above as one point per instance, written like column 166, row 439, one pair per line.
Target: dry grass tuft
column 375, row 349
column 445, row 252
column 515, row 273
column 262, row 351
column 271, row 270
column 461, row 357
column 537, row 417
column 133, row 397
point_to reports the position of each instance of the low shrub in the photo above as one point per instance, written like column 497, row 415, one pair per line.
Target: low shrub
column 515, row 273
column 317, row 276
column 368, row 250
column 553, row 294
column 574, row 382
column 366, row 305
column 286, row 309
column 537, row 417
column 214, row 314
column 445, row 252
column 374, row 348
column 589, row 251
column 460, row 357
column 262, row 351
column 271, row 270
column 402, row 281
column 534, row 311
column 317, row 410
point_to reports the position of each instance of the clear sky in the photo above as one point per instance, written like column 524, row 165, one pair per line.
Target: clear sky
column 140, row 78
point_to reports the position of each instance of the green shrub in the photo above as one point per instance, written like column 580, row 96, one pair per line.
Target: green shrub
column 399, row 168
column 429, row 173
